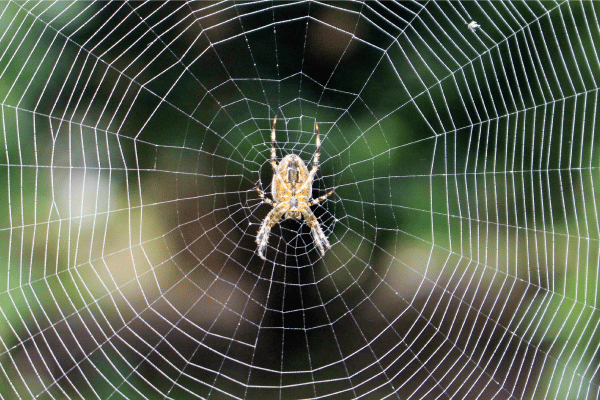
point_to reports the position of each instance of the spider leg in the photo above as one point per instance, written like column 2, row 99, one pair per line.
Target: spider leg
column 262, row 237
column 318, row 236
column 262, row 195
column 274, row 165
column 318, row 150
column 320, row 199
column 315, row 163
column 273, row 152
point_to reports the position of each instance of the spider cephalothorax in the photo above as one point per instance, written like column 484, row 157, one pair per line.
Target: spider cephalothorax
column 291, row 189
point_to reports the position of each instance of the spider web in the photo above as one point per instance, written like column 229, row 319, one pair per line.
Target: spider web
column 464, row 223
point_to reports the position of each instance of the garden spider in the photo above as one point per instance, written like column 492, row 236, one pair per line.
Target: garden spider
column 291, row 190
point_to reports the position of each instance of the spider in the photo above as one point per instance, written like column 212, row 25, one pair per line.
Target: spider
column 291, row 190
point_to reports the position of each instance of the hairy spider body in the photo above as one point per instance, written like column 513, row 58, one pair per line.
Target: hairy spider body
column 291, row 190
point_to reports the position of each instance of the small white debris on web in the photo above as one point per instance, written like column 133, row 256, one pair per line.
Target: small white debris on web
column 473, row 25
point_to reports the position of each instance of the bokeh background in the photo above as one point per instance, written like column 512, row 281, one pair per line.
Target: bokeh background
column 464, row 224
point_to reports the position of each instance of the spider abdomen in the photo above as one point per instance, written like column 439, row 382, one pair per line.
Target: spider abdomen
column 291, row 179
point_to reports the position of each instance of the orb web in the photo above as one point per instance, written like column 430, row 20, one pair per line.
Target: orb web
column 459, row 138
